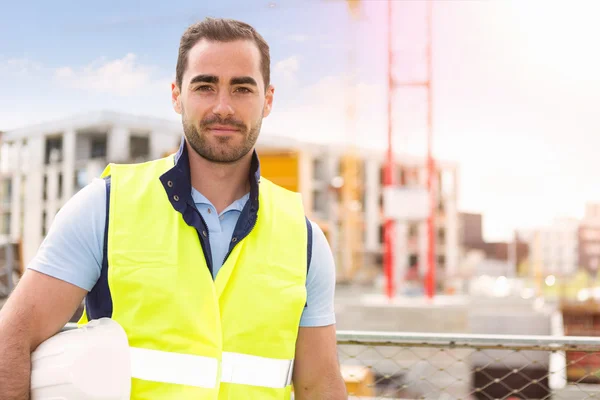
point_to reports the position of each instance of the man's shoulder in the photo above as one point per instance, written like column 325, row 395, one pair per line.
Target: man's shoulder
column 72, row 249
column 318, row 235
column 132, row 166
column 94, row 191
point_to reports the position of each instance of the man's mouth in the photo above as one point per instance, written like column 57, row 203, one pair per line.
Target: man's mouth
column 223, row 128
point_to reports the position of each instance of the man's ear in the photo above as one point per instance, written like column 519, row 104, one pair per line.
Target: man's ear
column 175, row 95
column 268, row 101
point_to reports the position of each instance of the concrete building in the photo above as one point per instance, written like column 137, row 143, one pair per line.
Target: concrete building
column 44, row 165
column 554, row 249
column 589, row 239
column 488, row 258
column 344, row 190
column 471, row 229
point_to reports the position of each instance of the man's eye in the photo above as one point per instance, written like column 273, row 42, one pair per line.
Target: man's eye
column 243, row 90
column 204, row 88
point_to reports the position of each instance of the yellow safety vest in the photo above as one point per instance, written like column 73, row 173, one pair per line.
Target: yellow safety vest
column 192, row 337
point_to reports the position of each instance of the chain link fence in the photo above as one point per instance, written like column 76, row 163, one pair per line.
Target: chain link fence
column 473, row 367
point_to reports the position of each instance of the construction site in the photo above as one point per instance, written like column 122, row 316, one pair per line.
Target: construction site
column 421, row 313
column 342, row 191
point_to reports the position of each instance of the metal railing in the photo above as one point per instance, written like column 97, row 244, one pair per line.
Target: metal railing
column 380, row 365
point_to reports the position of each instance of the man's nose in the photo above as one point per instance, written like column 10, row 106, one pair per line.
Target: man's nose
column 223, row 106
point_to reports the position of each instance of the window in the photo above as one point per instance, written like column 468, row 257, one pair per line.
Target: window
column 45, row 188
column 53, row 150
column 22, row 202
column 80, row 178
column 6, row 223
column 413, row 260
column 319, row 201
column 413, row 230
column 44, row 231
column 441, row 261
column 6, row 191
column 139, row 147
column 318, row 169
column 60, row 186
column 441, row 235
column 98, row 144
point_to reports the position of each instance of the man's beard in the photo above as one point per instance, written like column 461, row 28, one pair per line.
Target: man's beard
column 222, row 151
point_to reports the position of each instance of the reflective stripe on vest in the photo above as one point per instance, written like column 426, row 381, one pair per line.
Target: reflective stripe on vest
column 199, row 371
column 180, row 369
column 244, row 369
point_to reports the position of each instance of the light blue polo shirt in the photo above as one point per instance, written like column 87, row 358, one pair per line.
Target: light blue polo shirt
column 72, row 250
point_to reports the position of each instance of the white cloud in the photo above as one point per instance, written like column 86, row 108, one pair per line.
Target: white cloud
column 64, row 72
column 298, row 38
column 122, row 77
column 19, row 66
column 287, row 69
column 319, row 113
column 122, row 84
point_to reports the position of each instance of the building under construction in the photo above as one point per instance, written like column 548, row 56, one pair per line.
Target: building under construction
column 44, row 165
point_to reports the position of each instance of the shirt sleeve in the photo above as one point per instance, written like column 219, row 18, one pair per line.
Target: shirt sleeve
column 72, row 249
column 320, row 283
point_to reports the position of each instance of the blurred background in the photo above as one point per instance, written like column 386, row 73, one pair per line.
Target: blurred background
column 447, row 149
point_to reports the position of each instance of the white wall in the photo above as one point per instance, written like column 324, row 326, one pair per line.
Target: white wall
column 118, row 145
column 452, row 240
column 161, row 142
column 68, row 165
column 15, row 202
column 32, row 230
column 53, row 200
column 372, row 219
column 557, row 248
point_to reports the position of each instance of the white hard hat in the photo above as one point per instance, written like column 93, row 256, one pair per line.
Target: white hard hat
column 87, row 363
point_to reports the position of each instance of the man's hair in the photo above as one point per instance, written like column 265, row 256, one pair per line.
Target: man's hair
column 221, row 30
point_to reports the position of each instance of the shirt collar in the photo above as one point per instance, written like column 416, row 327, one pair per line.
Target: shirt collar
column 237, row 205
column 177, row 183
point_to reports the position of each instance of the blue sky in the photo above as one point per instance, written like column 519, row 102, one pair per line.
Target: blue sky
column 129, row 49
column 516, row 85
column 74, row 33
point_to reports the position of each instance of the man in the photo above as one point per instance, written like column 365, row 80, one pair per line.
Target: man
column 194, row 255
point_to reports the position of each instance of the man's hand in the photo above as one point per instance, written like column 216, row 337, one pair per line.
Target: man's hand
column 37, row 309
column 316, row 369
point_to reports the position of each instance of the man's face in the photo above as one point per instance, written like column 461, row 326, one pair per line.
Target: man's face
column 222, row 99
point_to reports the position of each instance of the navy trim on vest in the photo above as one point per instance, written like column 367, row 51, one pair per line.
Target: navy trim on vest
column 247, row 219
column 309, row 234
column 98, row 302
column 309, row 244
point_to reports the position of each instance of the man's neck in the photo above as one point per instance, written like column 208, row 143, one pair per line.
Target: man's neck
column 221, row 184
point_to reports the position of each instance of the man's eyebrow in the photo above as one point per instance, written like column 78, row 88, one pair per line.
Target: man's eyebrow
column 205, row 79
column 243, row 80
